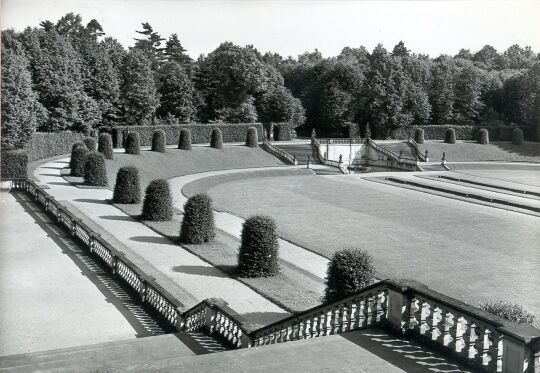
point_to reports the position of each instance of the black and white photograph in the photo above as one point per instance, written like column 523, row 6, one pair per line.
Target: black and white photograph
column 270, row 186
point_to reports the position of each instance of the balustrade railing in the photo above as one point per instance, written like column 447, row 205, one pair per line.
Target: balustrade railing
column 316, row 147
column 414, row 145
column 464, row 332
column 280, row 153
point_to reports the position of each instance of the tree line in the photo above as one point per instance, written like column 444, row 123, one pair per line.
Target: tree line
column 70, row 76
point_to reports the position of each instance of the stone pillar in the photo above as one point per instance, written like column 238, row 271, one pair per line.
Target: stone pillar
column 516, row 356
column 398, row 310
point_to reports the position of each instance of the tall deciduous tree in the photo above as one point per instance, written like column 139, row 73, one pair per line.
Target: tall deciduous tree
column 176, row 91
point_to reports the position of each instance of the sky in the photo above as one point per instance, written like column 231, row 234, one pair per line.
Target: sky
column 293, row 27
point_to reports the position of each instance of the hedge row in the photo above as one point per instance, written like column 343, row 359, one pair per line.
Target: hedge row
column 14, row 163
column 496, row 133
column 50, row 144
column 282, row 131
column 200, row 133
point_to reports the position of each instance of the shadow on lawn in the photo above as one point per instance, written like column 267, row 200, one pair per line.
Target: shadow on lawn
column 200, row 271
column 152, row 239
column 88, row 200
column 117, row 217
column 527, row 149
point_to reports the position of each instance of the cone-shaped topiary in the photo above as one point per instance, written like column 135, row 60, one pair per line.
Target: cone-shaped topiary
column 133, row 143
column 95, row 173
column 90, row 143
column 348, row 271
column 216, row 139
column 419, row 135
column 483, row 136
column 157, row 203
column 184, row 142
column 450, row 136
column 158, row 141
column 78, row 158
column 252, row 137
column 127, row 188
column 517, row 136
column 258, row 256
column 105, row 145
column 198, row 223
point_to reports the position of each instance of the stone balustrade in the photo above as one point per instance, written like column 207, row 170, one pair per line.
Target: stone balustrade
column 277, row 152
column 463, row 332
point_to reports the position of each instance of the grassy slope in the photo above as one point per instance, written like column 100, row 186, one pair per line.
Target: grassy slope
column 468, row 151
column 174, row 162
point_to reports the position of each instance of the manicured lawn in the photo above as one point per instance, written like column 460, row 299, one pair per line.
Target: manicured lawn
column 469, row 151
column 175, row 162
column 464, row 250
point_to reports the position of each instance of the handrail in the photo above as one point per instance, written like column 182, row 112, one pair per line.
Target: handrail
column 413, row 144
column 315, row 147
column 467, row 333
column 382, row 149
column 280, row 153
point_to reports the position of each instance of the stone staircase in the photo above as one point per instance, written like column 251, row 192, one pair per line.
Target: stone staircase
column 302, row 151
column 406, row 150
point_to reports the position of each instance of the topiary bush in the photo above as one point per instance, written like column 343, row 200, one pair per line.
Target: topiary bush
column 510, row 311
column 90, row 143
column 198, row 223
column 75, row 145
column 450, row 136
column 157, row 203
column 349, row 271
column 13, row 164
column 105, row 145
column 158, row 141
column 127, row 188
column 483, row 136
column 216, row 139
column 95, row 173
column 517, row 136
column 252, row 137
column 133, row 143
column 184, row 141
column 78, row 159
column 258, row 255
column 419, row 136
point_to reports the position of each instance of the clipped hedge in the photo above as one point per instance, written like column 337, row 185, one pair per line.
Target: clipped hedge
column 282, row 131
column 127, row 188
column 90, row 143
column 200, row 133
column 251, row 137
column 158, row 141
column 133, row 143
column 184, row 141
column 73, row 147
column 95, row 172
column 198, row 223
column 216, row 140
column 78, row 160
column 50, row 144
column 14, row 164
column 258, row 255
column 105, row 145
column 157, row 205
column 450, row 136
column 467, row 133
column 510, row 311
column 517, row 136
column 483, row 137
column 349, row 270
column 419, row 135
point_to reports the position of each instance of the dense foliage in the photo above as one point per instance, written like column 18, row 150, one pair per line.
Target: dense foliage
column 157, row 203
column 13, row 164
column 258, row 255
column 483, row 136
column 133, row 143
column 78, row 159
column 105, row 145
column 510, row 311
column 158, row 141
column 349, row 270
column 67, row 75
column 90, row 143
column 127, row 188
column 517, row 136
column 95, row 173
column 252, row 137
column 216, row 139
column 198, row 223
column 184, row 141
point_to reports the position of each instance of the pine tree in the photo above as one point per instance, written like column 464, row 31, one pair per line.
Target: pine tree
column 174, row 52
column 150, row 45
column 176, row 90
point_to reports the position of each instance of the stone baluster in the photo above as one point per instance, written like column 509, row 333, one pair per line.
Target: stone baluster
column 296, row 330
column 371, row 308
column 452, row 331
column 358, row 313
column 414, row 318
column 114, row 264
column 495, row 353
column 467, row 337
column 327, row 322
column 460, row 331
column 425, row 312
column 349, row 316
column 480, row 345
column 334, row 321
column 436, row 324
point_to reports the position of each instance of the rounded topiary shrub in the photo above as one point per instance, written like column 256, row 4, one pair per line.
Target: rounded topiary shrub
column 517, row 136
column 450, row 136
column 258, row 256
column 157, row 203
column 252, row 137
column 510, row 311
column 216, row 139
column 78, row 157
column 184, row 142
column 349, row 271
column 133, row 143
column 158, row 141
column 483, row 136
column 95, row 173
column 90, row 143
column 105, row 145
column 198, row 224
column 419, row 135
column 127, row 188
